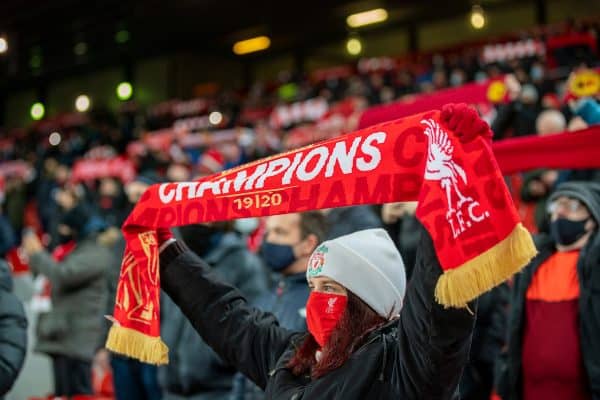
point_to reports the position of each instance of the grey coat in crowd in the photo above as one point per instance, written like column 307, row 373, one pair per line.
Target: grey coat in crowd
column 73, row 327
column 13, row 332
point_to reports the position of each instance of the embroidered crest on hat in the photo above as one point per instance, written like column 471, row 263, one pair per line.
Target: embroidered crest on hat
column 317, row 260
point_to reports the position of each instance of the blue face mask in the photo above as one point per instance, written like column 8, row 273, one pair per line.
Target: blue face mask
column 277, row 256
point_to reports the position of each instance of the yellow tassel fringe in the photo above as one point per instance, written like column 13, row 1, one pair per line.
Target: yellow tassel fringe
column 134, row 344
column 456, row 287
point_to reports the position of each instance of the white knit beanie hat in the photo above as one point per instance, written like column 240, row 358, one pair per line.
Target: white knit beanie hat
column 368, row 264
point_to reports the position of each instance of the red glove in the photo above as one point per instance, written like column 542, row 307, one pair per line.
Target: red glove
column 162, row 235
column 465, row 122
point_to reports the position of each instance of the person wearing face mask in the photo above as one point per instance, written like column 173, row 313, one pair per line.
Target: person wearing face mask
column 553, row 348
column 195, row 371
column 70, row 331
column 365, row 339
column 111, row 201
column 288, row 242
column 369, row 334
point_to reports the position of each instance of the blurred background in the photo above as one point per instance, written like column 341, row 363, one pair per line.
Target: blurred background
column 98, row 100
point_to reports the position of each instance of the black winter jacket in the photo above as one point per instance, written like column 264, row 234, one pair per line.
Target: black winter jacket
column 195, row 370
column 13, row 332
column 509, row 383
column 419, row 356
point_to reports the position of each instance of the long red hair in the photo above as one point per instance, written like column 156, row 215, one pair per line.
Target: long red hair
column 357, row 321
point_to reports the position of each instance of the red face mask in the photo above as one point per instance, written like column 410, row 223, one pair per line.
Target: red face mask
column 323, row 312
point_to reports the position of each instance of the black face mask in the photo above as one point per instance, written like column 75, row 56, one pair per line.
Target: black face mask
column 566, row 232
column 64, row 239
column 200, row 238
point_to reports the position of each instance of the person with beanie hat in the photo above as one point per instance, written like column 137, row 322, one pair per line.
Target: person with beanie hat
column 211, row 162
column 553, row 349
column 360, row 262
column 370, row 335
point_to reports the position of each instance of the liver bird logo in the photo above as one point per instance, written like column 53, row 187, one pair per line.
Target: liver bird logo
column 441, row 167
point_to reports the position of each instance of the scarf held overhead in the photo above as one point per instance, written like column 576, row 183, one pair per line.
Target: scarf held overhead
column 463, row 203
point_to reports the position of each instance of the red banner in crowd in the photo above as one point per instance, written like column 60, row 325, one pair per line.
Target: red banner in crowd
column 491, row 91
column 512, row 50
column 117, row 167
column 302, row 111
column 17, row 168
column 339, row 72
column 463, row 203
column 568, row 150
column 207, row 139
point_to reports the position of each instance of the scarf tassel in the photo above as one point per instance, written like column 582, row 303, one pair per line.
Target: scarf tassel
column 131, row 343
column 456, row 287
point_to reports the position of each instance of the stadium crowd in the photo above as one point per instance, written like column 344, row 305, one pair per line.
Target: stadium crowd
column 535, row 337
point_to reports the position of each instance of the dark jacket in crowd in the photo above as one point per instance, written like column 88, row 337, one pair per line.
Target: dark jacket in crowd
column 13, row 332
column 288, row 303
column 489, row 337
column 421, row 355
column 515, row 118
column 7, row 236
column 345, row 220
column 588, row 270
column 194, row 368
column 74, row 326
column 403, row 233
column 541, row 213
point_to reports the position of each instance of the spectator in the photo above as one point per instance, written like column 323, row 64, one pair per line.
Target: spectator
column 53, row 176
column 211, row 161
column 489, row 338
column 13, row 332
column 392, row 359
column 538, row 184
column 15, row 201
column 111, row 201
column 344, row 220
column 588, row 109
column 518, row 117
column 401, row 224
column 289, row 241
column 195, row 371
column 7, row 237
column 178, row 172
column 550, row 122
column 70, row 333
column 553, row 351
column 576, row 124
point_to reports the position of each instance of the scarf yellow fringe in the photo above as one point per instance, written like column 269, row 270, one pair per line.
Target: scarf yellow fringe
column 458, row 286
column 134, row 344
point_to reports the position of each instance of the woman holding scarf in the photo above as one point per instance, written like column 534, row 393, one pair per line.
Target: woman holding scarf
column 369, row 336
